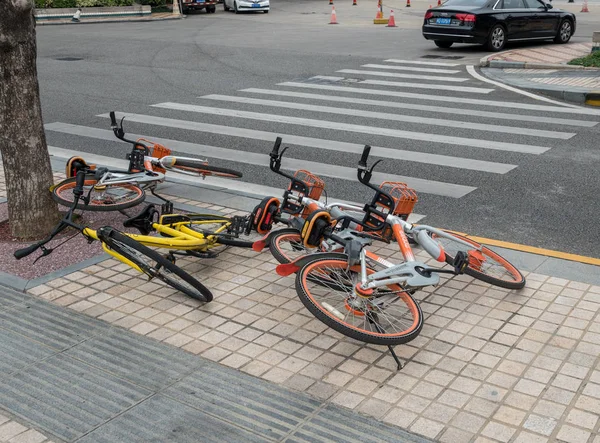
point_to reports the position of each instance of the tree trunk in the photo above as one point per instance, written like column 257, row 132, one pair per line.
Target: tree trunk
column 31, row 210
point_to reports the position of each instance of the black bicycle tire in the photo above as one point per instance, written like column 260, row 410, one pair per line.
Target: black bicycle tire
column 187, row 163
column 205, row 294
column 338, row 326
column 222, row 240
column 70, row 182
column 274, row 250
column 517, row 284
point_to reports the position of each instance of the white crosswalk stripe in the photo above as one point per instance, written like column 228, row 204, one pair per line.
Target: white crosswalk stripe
column 397, row 75
column 442, row 128
column 394, row 117
column 411, row 68
column 417, row 107
column 461, row 141
column 421, row 62
column 330, row 145
column 437, row 87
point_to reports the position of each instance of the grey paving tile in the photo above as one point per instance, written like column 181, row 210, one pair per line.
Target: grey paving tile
column 17, row 352
column 67, row 397
column 570, row 270
column 334, row 424
column 134, row 358
column 50, row 325
column 161, row 419
column 253, row 404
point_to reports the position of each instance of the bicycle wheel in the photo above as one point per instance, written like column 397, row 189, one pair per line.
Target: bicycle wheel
column 389, row 316
column 155, row 265
column 102, row 198
column 484, row 265
column 208, row 224
column 200, row 168
column 286, row 246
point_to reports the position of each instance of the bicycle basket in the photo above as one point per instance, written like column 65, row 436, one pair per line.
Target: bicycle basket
column 156, row 151
column 314, row 187
column 405, row 199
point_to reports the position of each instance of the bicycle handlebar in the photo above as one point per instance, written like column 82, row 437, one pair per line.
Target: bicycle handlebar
column 362, row 163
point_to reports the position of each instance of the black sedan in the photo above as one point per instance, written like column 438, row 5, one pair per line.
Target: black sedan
column 495, row 22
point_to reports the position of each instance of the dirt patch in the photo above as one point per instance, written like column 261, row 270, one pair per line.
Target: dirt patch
column 72, row 252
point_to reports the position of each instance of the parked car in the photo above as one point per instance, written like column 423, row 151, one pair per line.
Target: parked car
column 195, row 5
column 493, row 23
column 246, row 5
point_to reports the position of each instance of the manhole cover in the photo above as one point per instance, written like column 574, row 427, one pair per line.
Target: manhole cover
column 69, row 59
column 446, row 57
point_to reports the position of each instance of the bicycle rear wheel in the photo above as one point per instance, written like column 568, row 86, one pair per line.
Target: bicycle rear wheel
column 484, row 265
column 286, row 246
column 200, row 168
column 102, row 198
column 209, row 224
column 389, row 316
column 154, row 265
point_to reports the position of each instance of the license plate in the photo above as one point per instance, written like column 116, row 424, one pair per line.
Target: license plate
column 443, row 21
column 255, row 5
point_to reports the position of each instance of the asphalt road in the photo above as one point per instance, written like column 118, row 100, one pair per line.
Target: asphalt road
column 483, row 160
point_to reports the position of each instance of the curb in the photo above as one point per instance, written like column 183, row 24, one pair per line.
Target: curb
column 90, row 21
column 592, row 98
column 484, row 63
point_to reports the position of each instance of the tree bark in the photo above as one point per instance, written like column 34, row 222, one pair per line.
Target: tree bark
column 31, row 210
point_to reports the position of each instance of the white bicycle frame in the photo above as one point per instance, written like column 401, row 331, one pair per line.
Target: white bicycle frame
column 143, row 178
column 411, row 273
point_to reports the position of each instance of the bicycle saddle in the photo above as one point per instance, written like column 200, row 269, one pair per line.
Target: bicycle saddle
column 143, row 221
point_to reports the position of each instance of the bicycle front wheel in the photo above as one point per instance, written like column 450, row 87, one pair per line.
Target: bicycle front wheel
column 484, row 264
column 286, row 246
column 190, row 166
column 210, row 224
column 387, row 316
column 102, row 198
column 155, row 265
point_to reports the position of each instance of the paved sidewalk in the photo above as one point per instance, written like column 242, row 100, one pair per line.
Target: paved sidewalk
column 544, row 69
column 489, row 365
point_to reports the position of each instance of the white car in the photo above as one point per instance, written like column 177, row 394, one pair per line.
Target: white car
column 246, row 5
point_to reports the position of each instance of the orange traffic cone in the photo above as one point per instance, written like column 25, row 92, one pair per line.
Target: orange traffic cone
column 408, row 3
column 330, row 2
column 333, row 17
column 392, row 20
column 585, row 6
column 353, row 2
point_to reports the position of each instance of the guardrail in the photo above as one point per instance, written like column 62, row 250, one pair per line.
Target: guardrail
column 112, row 11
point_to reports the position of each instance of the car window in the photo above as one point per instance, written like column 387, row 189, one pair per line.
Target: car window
column 511, row 4
column 533, row 4
column 466, row 2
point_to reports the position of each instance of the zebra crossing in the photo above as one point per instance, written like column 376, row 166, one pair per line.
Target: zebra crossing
column 425, row 115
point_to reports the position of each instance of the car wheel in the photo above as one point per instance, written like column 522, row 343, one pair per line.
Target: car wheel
column 565, row 31
column 235, row 8
column 225, row 7
column 442, row 44
column 496, row 39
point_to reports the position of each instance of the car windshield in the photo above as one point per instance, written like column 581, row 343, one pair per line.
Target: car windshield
column 466, row 2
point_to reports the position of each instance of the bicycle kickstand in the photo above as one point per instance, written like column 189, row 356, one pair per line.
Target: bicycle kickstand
column 398, row 362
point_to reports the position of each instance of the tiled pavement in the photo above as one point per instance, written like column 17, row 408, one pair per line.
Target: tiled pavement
column 12, row 431
column 490, row 364
column 552, row 54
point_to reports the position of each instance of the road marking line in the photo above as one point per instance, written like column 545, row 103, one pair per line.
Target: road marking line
column 438, row 109
column 396, row 75
column 441, row 98
column 321, row 169
column 212, row 182
column 419, row 62
column 330, row 145
column 410, row 68
column 427, row 86
column 324, row 124
column 534, row 250
column 471, row 70
column 394, row 117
